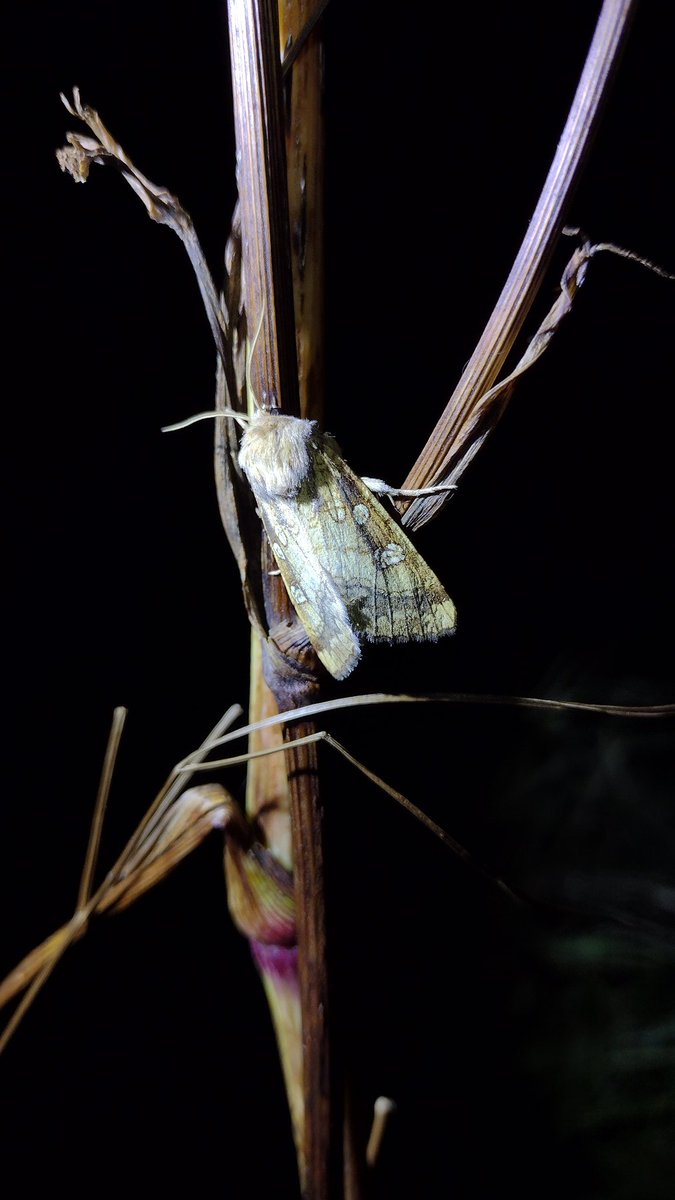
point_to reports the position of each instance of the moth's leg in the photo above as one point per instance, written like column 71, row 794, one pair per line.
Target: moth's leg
column 380, row 488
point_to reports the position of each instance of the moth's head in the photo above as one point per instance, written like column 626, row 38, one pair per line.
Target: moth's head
column 270, row 404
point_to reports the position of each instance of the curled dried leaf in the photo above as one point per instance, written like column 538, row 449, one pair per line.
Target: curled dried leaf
column 226, row 319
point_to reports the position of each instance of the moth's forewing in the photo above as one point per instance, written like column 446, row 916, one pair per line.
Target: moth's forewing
column 314, row 593
column 348, row 567
column 390, row 593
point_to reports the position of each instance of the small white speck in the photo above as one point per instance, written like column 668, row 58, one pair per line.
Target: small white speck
column 391, row 554
column 297, row 594
column 361, row 513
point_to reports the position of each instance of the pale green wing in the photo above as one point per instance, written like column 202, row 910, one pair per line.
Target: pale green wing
column 348, row 567
column 293, row 537
column 389, row 591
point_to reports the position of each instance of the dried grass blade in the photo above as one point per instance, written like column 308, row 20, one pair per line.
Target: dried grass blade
column 456, row 426
column 153, row 850
column 91, row 856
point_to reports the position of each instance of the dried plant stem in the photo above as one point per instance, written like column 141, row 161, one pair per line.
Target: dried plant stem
column 268, row 296
column 76, row 926
column 139, row 858
column 305, row 171
column 461, row 419
column 263, row 199
column 294, row 746
column 650, row 711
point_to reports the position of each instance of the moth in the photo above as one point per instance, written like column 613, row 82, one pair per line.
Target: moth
column 348, row 568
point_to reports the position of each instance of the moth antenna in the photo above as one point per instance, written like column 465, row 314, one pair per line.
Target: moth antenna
column 241, row 419
column 250, row 394
column 611, row 248
column 230, row 413
column 572, row 231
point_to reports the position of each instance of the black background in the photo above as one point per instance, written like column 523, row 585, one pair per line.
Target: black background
column 522, row 1052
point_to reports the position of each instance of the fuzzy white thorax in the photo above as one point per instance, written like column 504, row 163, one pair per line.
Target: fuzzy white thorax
column 274, row 453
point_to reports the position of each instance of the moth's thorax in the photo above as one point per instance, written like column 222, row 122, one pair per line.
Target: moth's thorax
column 275, row 454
